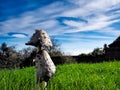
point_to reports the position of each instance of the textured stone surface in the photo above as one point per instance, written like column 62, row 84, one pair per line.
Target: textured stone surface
column 40, row 37
column 45, row 68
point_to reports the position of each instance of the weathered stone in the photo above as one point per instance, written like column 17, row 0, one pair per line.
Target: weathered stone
column 45, row 68
column 40, row 37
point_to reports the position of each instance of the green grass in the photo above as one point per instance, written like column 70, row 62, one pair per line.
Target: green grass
column 101, row 76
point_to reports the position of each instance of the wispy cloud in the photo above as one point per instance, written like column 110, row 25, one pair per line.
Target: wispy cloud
column 39, row 18
column 97, row 17
column 94, row 12
column 19, row 35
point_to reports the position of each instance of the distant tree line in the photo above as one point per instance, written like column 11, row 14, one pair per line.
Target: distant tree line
column 95, row 52
column 11, row 58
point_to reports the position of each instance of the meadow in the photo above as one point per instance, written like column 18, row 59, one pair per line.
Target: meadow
column 99, row 76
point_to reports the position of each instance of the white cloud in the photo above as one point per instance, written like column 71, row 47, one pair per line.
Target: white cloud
column 110, row 31
column 95, row 12
column 45, row 17
column 47, row 24
column 19, row 35
column 17, row 24
column 38, row 18
column 85, row 38
column 98, row 22
column 73, row 23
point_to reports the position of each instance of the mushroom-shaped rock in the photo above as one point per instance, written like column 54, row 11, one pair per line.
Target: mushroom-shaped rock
column 41, row 38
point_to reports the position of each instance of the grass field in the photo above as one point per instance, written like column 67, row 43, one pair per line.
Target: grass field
column 101, row 76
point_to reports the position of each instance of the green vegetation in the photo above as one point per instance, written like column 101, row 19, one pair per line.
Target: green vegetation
column 22, row 79
column 101, row 76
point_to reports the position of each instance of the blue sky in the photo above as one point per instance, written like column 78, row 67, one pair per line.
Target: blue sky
column 79, row 25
